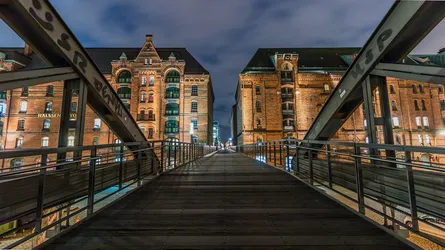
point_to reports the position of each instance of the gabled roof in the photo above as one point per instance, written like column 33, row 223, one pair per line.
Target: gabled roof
column 104, row 56
column 263, row 60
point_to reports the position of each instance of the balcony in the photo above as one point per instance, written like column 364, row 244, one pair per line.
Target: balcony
column 172, row 112
column 171, row 130
column 171, row 95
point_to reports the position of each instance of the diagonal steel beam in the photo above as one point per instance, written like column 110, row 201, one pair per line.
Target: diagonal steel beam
column 39, row 25
column 403, row 27
column 27, row 78
column 421, row 73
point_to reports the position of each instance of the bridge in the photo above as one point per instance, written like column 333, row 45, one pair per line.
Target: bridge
column 311, row 193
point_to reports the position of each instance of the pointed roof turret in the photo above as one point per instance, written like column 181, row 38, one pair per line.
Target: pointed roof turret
column 123, row 56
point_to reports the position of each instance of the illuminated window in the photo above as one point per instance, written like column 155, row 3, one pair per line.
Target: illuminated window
column 96, row 140
column 150, row 98
column 45, row 141
column 97, row 123
column 326, row 88
column 143, row 97
column 70, row 141
column 145, row 61
column 395, row 121
column 420, row 139
column 152, row 81
column 195, row 123
column 418, row 121
column 144, row 80
column 367, row 139
column 365, row 123
column 48, row 107
column 150, row 61
column 427, row 139
column 19, row 142
column 23, row 106
column 425, row 122
column 74, row 107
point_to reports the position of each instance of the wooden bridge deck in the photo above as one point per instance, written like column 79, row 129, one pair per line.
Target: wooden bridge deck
column 227, row 201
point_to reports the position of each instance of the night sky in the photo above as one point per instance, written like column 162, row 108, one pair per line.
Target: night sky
column 224, row 34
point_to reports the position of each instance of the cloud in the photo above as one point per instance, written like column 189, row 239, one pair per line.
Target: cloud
column 224, row 35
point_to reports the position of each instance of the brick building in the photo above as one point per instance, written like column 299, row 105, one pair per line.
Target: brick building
column 281, row 91
column 165, row 89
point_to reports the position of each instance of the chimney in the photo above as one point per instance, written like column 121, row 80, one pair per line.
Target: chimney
column 27, row 51
column 442, row 51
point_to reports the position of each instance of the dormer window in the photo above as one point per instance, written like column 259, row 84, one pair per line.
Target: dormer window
column 146, row 61
column 150, row 61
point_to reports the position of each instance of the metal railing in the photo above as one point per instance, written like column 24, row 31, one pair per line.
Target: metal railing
column 406, row 192
column 43, row 196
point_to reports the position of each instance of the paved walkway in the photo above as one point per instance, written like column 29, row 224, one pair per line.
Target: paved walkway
column 226, row 201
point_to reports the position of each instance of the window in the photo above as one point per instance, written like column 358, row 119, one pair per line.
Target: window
column 150, row 98
column 172, row 126
column 258, row 106
column 74, row 107
column 365, row 123
column 442, row 104
column 152, row 81
column 258, row 90
column 393, row 105
column 172, row 92
column 124, row 77
column 416, row 105
column 145, row 61
column 414, row 89
column 150, row 61
column 194, row 107
column 21, row 125
column 420, row 139
column 151, row 116
column 96, row 140
column 418, row 121
column 45, row 141
column 391, row 89
column 23, row 106
column 1, row 128
column 172, row 109
column 366, row 139
column 427, row 140
column 70, row 141
column 150, row 133
column 423, row 105
column 141, row 115
column 19, row 142
column 25, row 91
column 425, row 122
column 124, row 93
column 172, row 77
column 421, row 88
column 143, row 96
column 395, row 122
column 258, row 123
column 194, row 90
column 97, row 123
column 398, row 140
column 2, row 94
column 440, row 88
column 16, row 164
column 48, row 107
column 326, row 88
column 195, row 123
column 46, row 124
column 50, row 90
column 144, row 80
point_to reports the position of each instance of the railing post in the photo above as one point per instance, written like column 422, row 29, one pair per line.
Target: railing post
column 41, row 193
column 411, row 192
column 169, row 153
column 184, row 148
column 328, row 160
column 175, row 144
column 91, row 181
column 281, row 154
column 359, row 180
column 297, row 161
column 287, row 154
column 162, row 156
column 139, row 163
column 274, row 154
column 311, row 167
column 266, row 156
column 121, row 166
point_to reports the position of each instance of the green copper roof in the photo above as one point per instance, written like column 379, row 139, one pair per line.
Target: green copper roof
column 123, row 55
column 172, row 55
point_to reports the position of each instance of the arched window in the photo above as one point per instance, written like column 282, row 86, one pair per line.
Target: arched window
column 150, row 133
column 398, row 140
column 150, row 98
column 416, row 104
column 194, row 138
column 70, row 141
column 440, row 88
column 423, row 105
column 151, row 116
column 414, row 89
column 143, row 96
column 326, row 87
column 418, row 121
column 19, row 142
column 258, row 90
column 259, row 139
column 50, row 90
column 144, row 81
column 124, row 77
column 393, row 105
column 421, row 88
column 258, row 106
column 391, row 89
column 425, row 122
column 45, row 141
column 259, row 123
column 48, row 107
column 25, row 91
column 152, row 81
column 23, row 106
column 46, row 124
column 124, row 93
column 172, row 77
column 194, row 106
column 142, row 115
